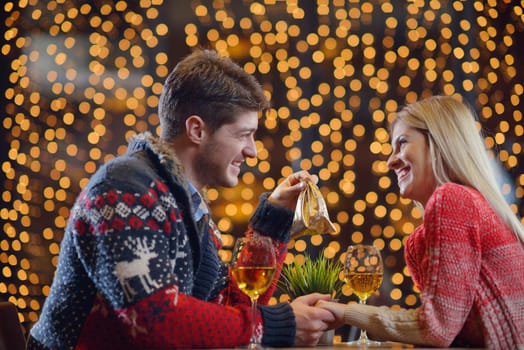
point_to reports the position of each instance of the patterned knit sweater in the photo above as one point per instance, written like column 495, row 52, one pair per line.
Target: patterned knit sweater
column 135, row 271
column 469, row 268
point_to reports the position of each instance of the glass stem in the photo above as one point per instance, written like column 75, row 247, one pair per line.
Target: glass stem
column 363, row 334
column 253, row 322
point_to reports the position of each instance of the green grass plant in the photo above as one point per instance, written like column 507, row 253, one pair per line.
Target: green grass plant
column 319, row 275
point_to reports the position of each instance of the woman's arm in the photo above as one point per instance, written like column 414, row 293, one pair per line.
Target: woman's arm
column 382, row 323
column 450, row 267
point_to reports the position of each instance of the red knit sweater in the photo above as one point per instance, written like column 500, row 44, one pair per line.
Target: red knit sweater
column 470, row 268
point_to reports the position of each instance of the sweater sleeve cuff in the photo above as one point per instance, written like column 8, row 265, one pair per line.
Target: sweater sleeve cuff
column 387, row 324
column 271, row 220
column 279, row 325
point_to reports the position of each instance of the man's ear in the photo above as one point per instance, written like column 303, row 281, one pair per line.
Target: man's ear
column 195, row 129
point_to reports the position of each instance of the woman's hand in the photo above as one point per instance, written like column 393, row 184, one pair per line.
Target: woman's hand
column 286, row 193
column 337, row 309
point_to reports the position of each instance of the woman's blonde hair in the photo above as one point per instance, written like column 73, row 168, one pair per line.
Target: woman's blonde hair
column 457, row 150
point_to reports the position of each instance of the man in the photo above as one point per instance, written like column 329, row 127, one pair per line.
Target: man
column 138, row 266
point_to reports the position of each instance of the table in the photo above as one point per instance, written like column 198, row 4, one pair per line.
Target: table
column 386, row 346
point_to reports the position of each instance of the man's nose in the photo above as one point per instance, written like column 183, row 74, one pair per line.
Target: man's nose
column 251, row 149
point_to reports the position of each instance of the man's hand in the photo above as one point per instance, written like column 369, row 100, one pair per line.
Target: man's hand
column 311, row 321
column 286, row 193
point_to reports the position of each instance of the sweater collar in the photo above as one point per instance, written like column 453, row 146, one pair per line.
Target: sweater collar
column 164, row 152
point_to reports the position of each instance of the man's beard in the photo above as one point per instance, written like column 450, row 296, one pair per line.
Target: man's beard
column 208, row 171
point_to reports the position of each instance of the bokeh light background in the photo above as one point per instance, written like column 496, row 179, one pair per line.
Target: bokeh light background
column 80, row 78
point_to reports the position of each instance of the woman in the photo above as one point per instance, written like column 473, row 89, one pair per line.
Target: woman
column 467, row 257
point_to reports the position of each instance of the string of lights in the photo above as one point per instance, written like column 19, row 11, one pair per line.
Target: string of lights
column 84, row 77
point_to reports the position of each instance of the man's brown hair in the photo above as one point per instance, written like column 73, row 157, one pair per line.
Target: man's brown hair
column 210, row 86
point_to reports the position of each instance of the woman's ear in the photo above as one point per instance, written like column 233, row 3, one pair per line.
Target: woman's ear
column 195, row 129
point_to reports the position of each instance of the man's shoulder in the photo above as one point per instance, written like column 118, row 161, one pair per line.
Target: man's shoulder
column 132, row 170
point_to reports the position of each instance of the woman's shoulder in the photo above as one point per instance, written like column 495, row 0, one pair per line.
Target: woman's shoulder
column 452, row 196
column 455, row 191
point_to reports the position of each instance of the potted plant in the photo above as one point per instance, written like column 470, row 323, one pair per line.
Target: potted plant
column 319, row 275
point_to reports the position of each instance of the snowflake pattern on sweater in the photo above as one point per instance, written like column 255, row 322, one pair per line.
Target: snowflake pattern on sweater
column 155, row 214
column 136, row 272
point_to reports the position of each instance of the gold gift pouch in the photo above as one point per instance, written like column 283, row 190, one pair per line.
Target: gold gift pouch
column 311, row 215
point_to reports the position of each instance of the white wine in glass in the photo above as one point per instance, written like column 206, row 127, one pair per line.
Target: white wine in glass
column 253, row 267
column 363, row 273
column 253, row 281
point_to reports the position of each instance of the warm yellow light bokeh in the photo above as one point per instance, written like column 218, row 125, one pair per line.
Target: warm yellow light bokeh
column 80, row 81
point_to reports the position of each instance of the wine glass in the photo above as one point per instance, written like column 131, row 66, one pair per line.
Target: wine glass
column 253, row 267
column 363, row 271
